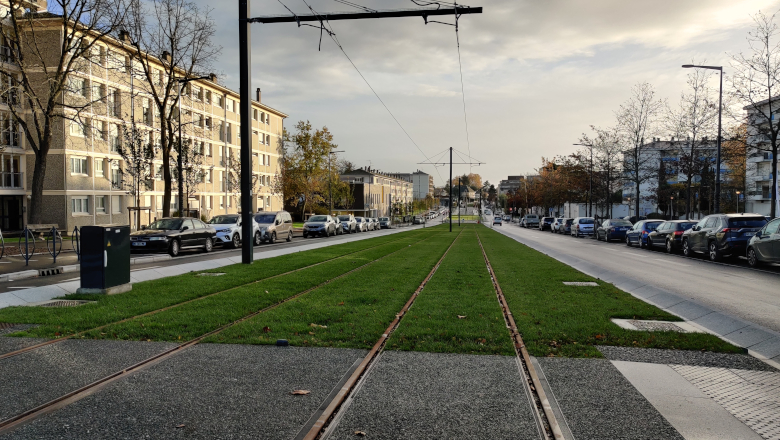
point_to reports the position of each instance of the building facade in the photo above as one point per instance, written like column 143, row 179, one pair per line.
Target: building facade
column 377, row 194
column 511, row 184
column 422, row 183
column 87, row 179
column 758, row 172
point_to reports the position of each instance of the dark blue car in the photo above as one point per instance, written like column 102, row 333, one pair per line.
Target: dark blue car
column 612, row 229
column 639, row 232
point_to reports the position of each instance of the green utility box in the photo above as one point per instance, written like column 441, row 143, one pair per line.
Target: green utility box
column 105, row 259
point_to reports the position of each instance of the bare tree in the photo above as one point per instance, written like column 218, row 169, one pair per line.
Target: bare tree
column 756, row 82
column 36, row 75
column 192, row 169
column 607, row 152
column 637, row 120
column 138, row 154
column 694, row 121
column 170, row 40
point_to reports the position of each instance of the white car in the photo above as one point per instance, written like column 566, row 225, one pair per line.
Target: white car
column 229, row 228
column 361, row 225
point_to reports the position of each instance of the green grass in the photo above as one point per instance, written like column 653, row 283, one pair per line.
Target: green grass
column 460, row 287
column 352, row 312
column 297, row 224
column 153, row 295
column 559, row 320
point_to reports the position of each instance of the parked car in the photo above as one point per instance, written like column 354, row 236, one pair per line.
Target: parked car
column 546, row 223
column 350, row 225
column 611, row 229
column 361, row 224
column 556, row 224
column 319, row 225
column 530, row 221
column 764, row 247
column 229, row 230
column 633, row 219
column 565, row 226
column 339, row 226
column 582, row 226
column 639, row 232
column 668, row 234
column 172, row 234
column 274, row 225
column 375, row 222
column 417, row 220
column 722, row 234
column 498, row 220
column 507, row 218
column 384, row 223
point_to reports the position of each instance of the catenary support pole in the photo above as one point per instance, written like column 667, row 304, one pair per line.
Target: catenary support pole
column 245, row 64
column 450, row 189
column 717, row 171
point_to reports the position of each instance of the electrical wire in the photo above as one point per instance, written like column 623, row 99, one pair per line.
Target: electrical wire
column 462, row 89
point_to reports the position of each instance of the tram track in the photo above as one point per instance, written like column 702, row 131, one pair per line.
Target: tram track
column 173, row 306
column 11, row 423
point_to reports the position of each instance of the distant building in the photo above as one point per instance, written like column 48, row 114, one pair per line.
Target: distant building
column 758, row 175
column 511, row 184
column 422, row 183
column 375, row 194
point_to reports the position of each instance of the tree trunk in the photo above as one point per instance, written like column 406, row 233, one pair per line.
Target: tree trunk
column 167, row 183
column 35, row 209
column 773, row 191
column 636, row 201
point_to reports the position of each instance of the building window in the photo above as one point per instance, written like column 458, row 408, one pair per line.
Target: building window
column 116, row 178
column 80, row 205
column 208, row 96
column 78, row 165
column 230, row 133
column 115, row 141
column 765, row 192
column 220, row 101
column 268, row 139
column 77, row 86
column 147, row 114
column 98, row 168
column 100, row 204
column 116, row 204
column 10, row 134
column 254, row 114
column 77, row 129
column 209, row 152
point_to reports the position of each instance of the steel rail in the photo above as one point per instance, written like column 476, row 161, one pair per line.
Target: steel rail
column 335, row 405
column 546, row 417
column 153, row 312
column 14, row 422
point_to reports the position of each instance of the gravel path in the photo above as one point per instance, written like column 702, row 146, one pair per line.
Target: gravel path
column 599, row 403
column 436, row 396
column 211, row 391
column 8, row 344
column 684, row 357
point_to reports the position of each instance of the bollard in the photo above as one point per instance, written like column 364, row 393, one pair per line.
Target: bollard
column 27, row 253
column 53, row 251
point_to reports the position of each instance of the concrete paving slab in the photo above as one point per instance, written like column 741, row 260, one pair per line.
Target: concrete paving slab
column 600, row 403
column 38, row 376
column 720, row 323
column 688, row 409
column 432, row 395
column 39, row 294
column 9, row 344
column 684, row 357
column 213, row 390
column 768, row 348
column 9, row 299
column 689, row 310
column 662, row 298
column 749, row 336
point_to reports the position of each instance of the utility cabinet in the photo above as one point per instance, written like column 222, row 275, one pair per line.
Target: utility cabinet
column 105, row 259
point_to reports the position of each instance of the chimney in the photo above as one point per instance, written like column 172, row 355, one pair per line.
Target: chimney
column 124, row 36
column 166, row 56
column 213, row 78
column 258, row 94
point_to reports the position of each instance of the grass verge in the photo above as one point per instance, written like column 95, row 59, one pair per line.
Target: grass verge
column 559, row 320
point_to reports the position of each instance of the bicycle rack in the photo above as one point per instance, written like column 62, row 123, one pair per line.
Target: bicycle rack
column 27, row 253
column 55, row 238
column 75, row 241
column 2, row 245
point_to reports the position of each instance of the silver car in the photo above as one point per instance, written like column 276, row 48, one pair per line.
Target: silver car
column 229, row 228
column 361, row 224
column 319, row 225
column 375, row 222
column 274, row 225
column 349, row 223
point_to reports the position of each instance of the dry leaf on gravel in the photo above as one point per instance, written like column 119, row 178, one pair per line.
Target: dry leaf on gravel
column 300, row 392
column 461, row 316
column 360, row 433
column 180, row 426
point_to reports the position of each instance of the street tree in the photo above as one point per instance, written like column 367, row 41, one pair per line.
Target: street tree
column 192, row 169
column 40, row 83
column 607, row 164
column 138, row 154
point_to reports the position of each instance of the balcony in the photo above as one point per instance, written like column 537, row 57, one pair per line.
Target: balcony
column 764, row 178
column 9, row 180
column 7, row 55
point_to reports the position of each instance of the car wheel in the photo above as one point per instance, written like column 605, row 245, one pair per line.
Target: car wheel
column 235, row 241
column 752, row 258
column 714, row 252
column 258, row 239
column 628, row 241
column 669, row 247
column 174, row 249
column 642, row 244
column 305, row 235
column 209, row 245
column 289, row 237
column 687, row 251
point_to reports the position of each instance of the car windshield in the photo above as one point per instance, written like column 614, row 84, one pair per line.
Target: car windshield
column 498, row 218
column 569, row 221
column 685, row 226
column 318, row 218
column 620, row 223
column 754, row 222
column 359, row 219
column 167, row 224
column 344, row 218
column 383, row 219
column 265, row 218
column 586, row 221
column 224, row 220
column 652, row 225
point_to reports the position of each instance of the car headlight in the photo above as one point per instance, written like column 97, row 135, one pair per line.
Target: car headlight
column 157, row 238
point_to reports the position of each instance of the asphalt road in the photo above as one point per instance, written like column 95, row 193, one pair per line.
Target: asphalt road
column 730, row 287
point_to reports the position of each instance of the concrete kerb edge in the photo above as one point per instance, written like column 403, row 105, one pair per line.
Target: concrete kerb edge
column 26, row 274
column 608, row 275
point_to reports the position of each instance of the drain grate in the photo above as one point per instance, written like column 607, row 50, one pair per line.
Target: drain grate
column 5, row 325
column 656, row 326
column 210, row 274
column 64, row 303
column 581, row 283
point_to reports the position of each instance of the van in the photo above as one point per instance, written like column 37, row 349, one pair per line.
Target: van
column 274, row 225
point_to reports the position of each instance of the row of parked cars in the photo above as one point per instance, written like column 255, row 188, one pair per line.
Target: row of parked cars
column 327, row 225
column 715, row 236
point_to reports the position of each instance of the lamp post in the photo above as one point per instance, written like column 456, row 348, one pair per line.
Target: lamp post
column 590, row 185
column 330, row 182
column 179, row 164
column 720, row 114
column 738, row 193
column 671, row 207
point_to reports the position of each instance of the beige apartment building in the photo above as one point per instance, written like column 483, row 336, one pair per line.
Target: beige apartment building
column 87, row 180
column 376, row 193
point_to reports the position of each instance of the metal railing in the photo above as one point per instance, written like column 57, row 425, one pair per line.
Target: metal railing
column 75, row 241
column 51, row 243
column 27, row 253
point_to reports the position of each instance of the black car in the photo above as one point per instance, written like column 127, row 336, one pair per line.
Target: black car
column 172, row 235
column 764, row 247
column 614, row 228
column 668, row 235
column 722, row 234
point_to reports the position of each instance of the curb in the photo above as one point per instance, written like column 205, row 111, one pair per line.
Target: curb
column 26, row 274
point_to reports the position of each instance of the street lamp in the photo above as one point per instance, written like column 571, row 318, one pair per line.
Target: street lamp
column 179, row 165
column 738, row 193
column 590, row 186
column 720, row 113
column 671, row 208
column 330, row 182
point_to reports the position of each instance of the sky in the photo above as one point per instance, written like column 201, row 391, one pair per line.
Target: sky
column 536, row 73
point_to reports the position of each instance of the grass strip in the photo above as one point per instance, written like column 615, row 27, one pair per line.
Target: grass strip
column 559, row 320
column 194, row 319
column 153, row 295
column 351, row 312
column 457, row 311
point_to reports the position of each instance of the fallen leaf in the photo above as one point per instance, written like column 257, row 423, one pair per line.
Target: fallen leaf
column 360, row 433
column 300, row 392
column 311, row 333
column 341, row 303
column 180, row 426
column 461, row 316
column 266, row 329
column 317, row 325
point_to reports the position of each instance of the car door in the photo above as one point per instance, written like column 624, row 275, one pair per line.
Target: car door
column 603, row 230
column 286, row 224
column 712, row 225
column 634, row 232
column 188, row 235
column 202, row 231
column 696, row 234
column 768, row 245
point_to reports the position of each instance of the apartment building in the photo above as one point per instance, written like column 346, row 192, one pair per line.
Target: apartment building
column 422, row 183
column 375, row 193
column 758, row 172
column 87, row 180
column 511, row 184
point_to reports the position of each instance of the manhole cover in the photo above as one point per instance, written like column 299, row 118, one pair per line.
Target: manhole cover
column 210, row 274
column 656, row 326
column 64, row 303
column 581, row 283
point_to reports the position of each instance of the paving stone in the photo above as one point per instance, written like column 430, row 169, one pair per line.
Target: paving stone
column 689, row 310
column 749, row 336
column 720, row 323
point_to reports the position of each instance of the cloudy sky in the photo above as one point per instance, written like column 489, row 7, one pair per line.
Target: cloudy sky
column 537, row 73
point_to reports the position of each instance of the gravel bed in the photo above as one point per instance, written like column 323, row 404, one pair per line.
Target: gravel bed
column 16, row 328
column 36, row 377
column 658, row 326
column 8, row 345
column 210, row 391
column 412, row 395
column 684, row 357
column 599, row 403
